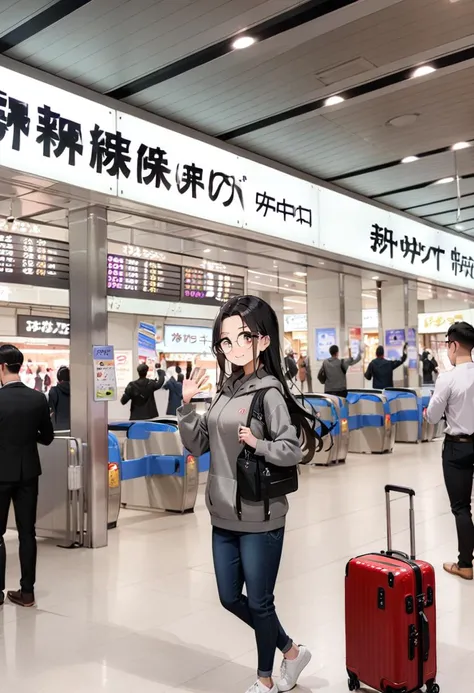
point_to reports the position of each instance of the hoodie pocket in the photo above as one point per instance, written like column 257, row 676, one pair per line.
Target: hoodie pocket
column 220, row 497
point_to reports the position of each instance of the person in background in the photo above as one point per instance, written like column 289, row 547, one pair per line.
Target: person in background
column 175, row 389
column 141, row 394
column 381, row 369
column 291, row 369
column 429, row 367
column 24, row 422
column 60, row 400
column 39, row 380
column 333, row 372
column 453, row 398
column 47, row 380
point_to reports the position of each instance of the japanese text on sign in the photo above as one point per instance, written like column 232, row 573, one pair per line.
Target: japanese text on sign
column 40, row 326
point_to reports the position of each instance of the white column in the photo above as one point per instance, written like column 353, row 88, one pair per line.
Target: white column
column 400, row 312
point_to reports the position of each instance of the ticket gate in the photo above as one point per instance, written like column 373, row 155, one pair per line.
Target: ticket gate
column 60, row 514
column 407, row 415
column 371, row 425
column 157, row 473
column 429, row 432
column 330, row 410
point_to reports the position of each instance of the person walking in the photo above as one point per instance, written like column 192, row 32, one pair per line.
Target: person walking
column 333, row 372
column 453, row 398
column 429, row 367
column 381, row 369
column 60, row 400
column 174, row 385
column 247, row 542
column 25, row 421
column 141, row 394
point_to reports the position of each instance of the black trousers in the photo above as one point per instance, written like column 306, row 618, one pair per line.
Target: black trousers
column 458, row 467
column 24, row 495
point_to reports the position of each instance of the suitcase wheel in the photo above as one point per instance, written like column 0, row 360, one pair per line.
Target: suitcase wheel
column 353, row 682
column 433, row 689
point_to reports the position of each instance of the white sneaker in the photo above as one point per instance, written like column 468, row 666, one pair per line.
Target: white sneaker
column 258, row 687
column 292, row 669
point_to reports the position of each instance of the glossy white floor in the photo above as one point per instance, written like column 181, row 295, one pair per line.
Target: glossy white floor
column 143, row 615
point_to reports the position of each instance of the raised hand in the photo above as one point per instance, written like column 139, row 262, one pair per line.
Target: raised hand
column 193, row 385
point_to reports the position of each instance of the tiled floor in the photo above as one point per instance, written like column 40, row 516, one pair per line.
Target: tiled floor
column 143, row 615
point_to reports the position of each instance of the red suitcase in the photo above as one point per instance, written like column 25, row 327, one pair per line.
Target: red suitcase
column 391, row 617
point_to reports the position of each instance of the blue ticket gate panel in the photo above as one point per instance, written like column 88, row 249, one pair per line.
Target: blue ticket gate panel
column 329, row 410
column 406, row 410
column 157, row 472
column 370, row 422
column 429, row 431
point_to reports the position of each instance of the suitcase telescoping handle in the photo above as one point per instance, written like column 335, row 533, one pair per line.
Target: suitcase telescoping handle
column 411, row 494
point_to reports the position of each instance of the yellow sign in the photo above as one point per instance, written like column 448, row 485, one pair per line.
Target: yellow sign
column 114, row 478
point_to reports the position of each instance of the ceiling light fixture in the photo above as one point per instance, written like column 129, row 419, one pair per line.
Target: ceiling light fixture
column 300, row 274
column 409, row 159
column 207, row 250
column 460, row 145
column 443, row 181
column 321, row 262
column 423, row 70
column 243, row 42
column 459, row 227
column 334, row 100
column 376, row 277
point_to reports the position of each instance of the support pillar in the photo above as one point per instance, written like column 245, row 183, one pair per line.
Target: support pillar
column 334, row 301
column 399, row 311
column 88, row 311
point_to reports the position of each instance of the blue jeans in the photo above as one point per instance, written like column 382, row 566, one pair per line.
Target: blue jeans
column 252, row 559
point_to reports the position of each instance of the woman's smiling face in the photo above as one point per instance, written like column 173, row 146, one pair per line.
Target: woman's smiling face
column 240, row 346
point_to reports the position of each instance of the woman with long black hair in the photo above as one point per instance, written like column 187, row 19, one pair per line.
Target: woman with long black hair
column 247, row 543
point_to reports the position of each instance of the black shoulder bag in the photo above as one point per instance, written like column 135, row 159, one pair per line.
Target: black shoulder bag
column 259, row 481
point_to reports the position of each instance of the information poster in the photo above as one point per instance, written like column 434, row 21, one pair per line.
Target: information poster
column 355, row 338
column 325, row 338
column 105, row 381
column 412, row 349
column 394, row 341
column 124, row 367
column 146, row 342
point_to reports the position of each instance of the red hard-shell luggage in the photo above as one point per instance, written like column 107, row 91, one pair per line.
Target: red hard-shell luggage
column 391, row 617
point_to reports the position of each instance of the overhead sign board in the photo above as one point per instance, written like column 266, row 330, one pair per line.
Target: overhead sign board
column 53, row 133
column 42, row 326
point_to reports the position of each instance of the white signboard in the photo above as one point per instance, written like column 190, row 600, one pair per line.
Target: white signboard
column 105, row 380
column 176, row 172
column 439, row 323
column 390, row 240
column 296, row 322
column 187, row 339
column 49, row 132
column 279, row 205
column 370, row 318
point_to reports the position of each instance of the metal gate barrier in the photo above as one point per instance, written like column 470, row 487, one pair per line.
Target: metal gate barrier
column 332, row 411
column 60, row 514
column 373, row 431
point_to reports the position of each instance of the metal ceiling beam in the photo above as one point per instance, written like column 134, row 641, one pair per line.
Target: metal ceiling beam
column 418, row 186
column 39, row 22
column 291, row 19
column 362, row 89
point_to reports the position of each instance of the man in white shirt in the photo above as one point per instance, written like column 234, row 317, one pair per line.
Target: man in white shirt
column 454, row 398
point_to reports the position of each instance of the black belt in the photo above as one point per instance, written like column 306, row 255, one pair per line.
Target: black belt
column 465, row 438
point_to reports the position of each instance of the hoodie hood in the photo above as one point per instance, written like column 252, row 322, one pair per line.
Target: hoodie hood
column 65, row 388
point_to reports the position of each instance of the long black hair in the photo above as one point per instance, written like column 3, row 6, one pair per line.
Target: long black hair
column 262, row 320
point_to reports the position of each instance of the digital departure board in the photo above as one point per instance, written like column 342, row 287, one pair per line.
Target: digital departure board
column 33, row 260
column 213, row 288
column 133, row 277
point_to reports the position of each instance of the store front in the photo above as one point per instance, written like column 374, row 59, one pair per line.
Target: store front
column 139, row 221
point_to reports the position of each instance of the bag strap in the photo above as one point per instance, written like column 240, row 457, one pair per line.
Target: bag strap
column 257, row 410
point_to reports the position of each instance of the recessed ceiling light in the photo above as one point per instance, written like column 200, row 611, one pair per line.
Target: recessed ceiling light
column 334, row 100
column 409, row 159
column 321, row 262
column 242, row 42
column 376, row 277
column 286, row 286
column 207, row 250
column 459, row 227
column 423, row 70
column 460, row 145
column 300, row 274
column 443, row 181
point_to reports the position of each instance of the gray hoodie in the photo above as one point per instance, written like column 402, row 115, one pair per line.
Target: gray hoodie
column 217, row 431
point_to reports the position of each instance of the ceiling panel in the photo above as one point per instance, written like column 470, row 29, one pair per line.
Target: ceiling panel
column 426, row 195
column 438, row 207
column 15, row 12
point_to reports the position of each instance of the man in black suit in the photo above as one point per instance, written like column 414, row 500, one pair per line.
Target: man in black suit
column 25, row 421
